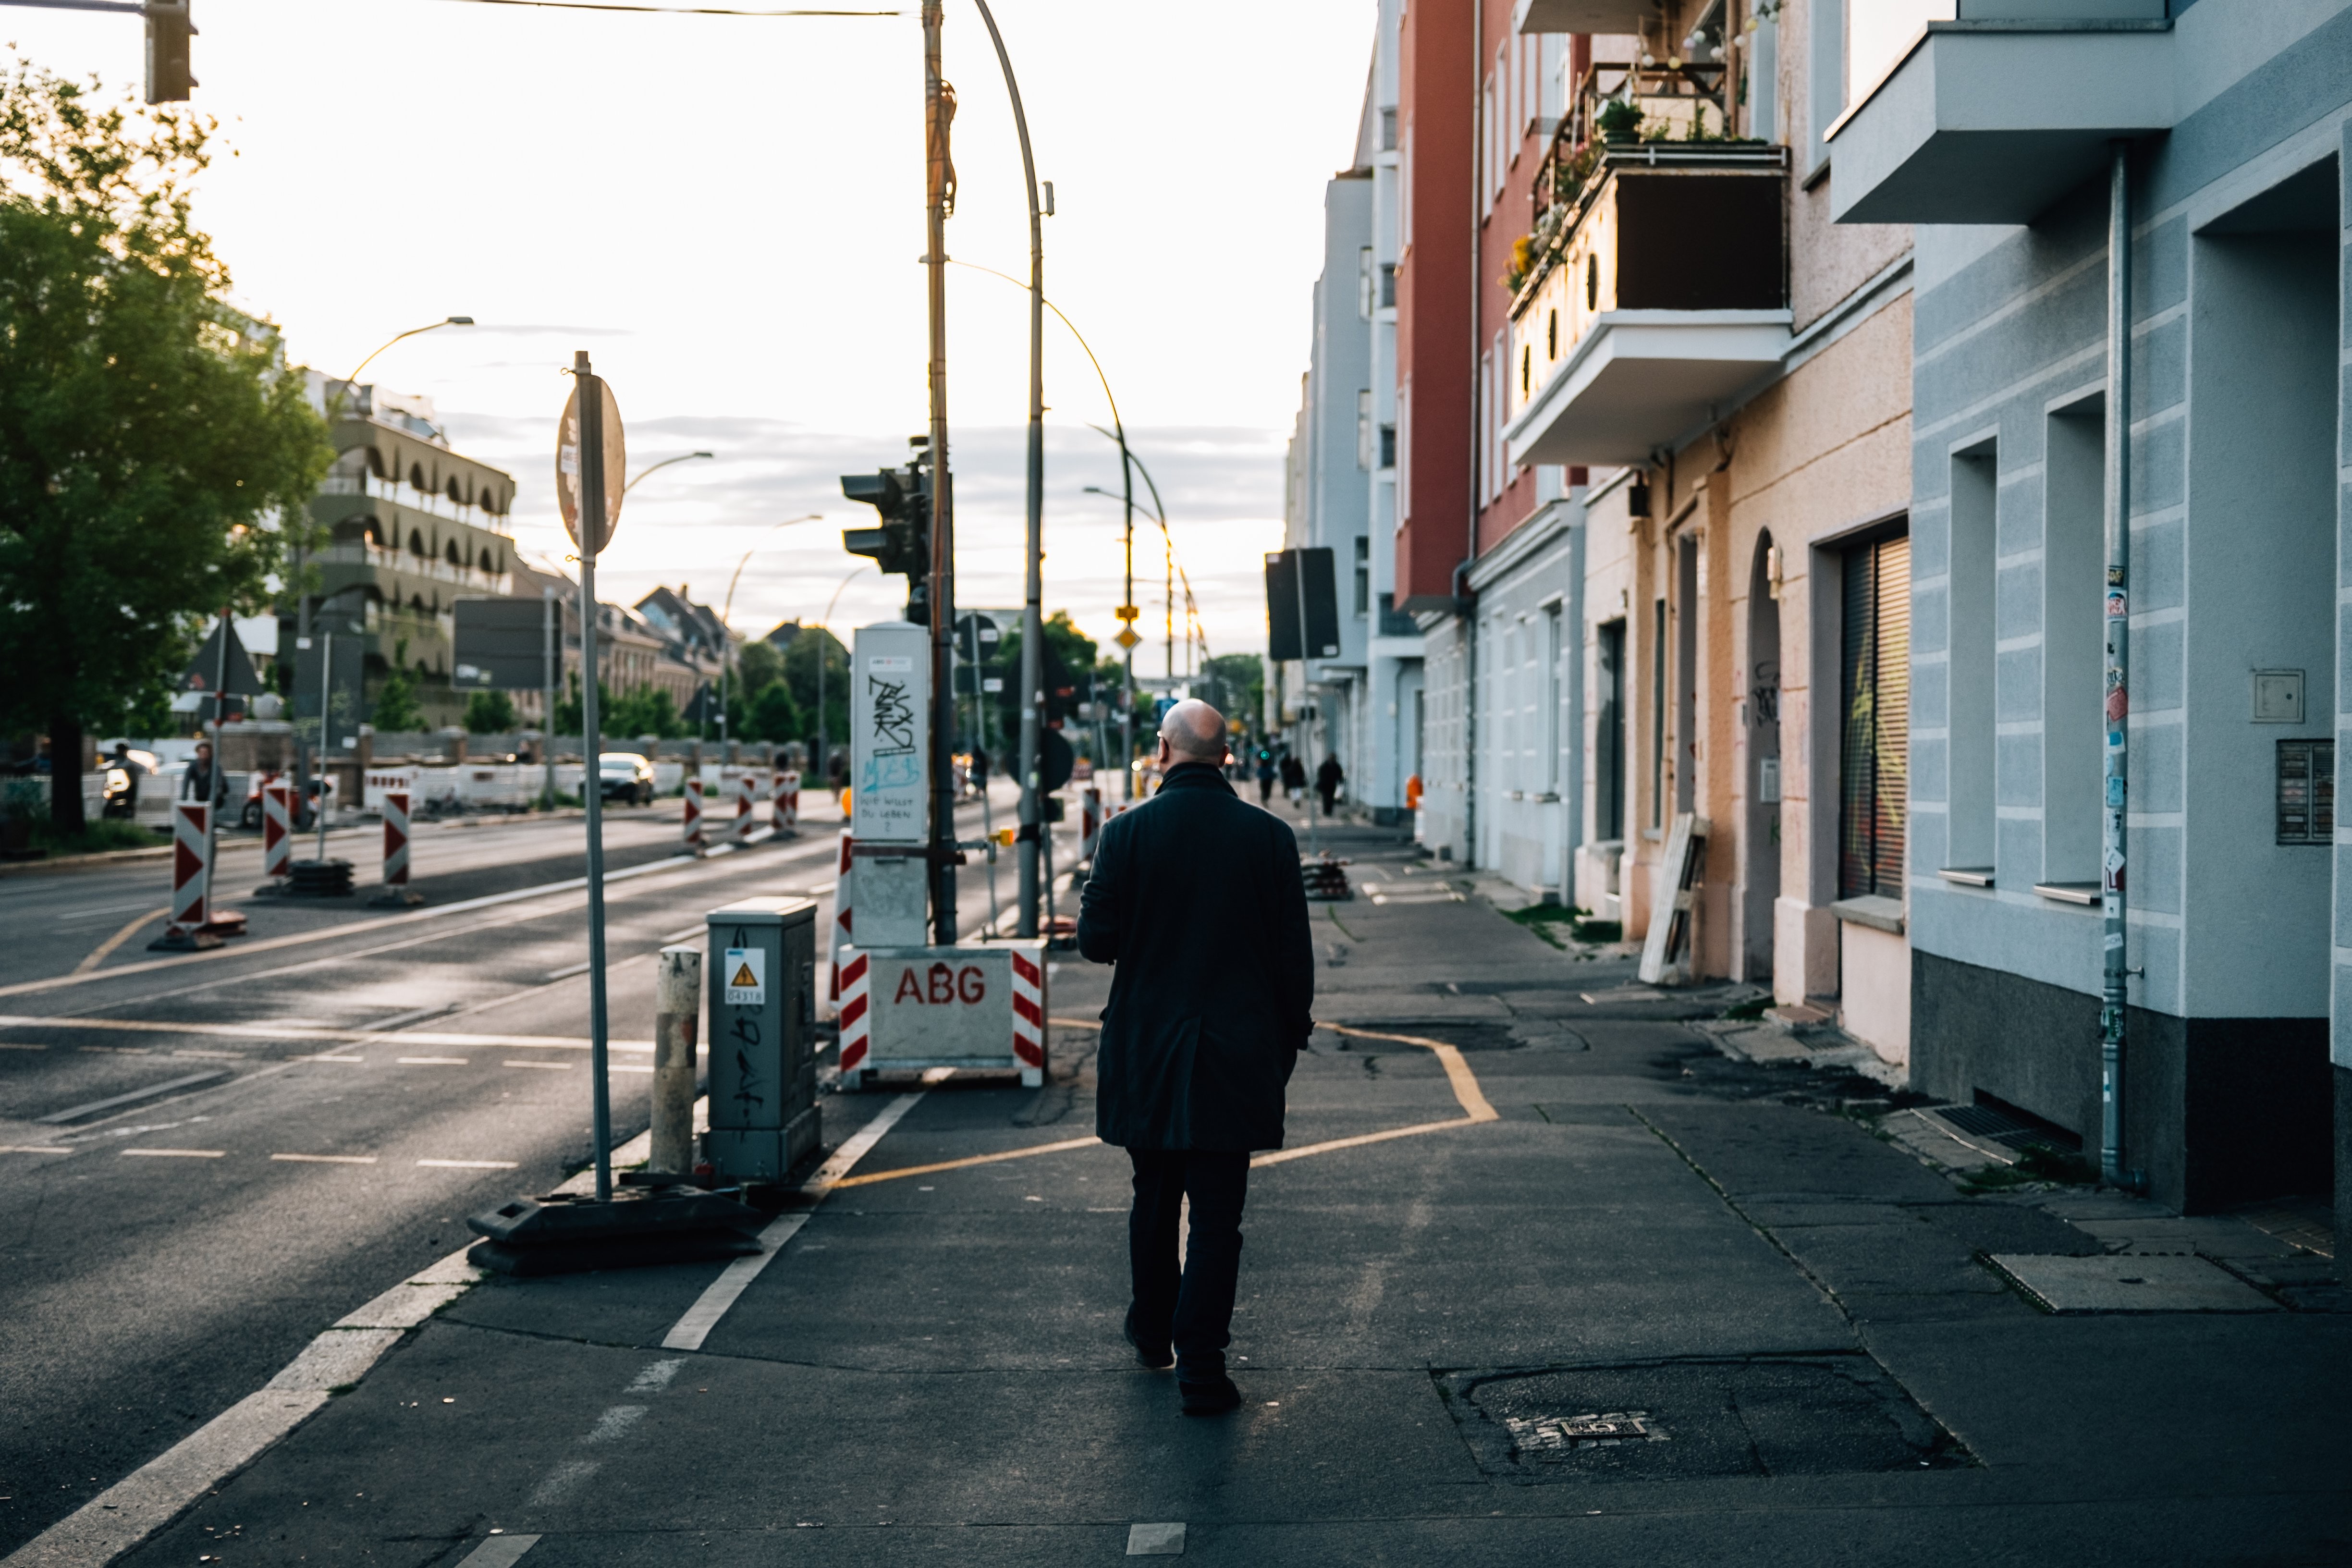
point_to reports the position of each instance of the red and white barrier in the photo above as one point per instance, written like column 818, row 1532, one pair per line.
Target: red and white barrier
column 396, row 838
column 785, row 803
column 747, row 790
column 856, row 1015
column 694, row 840
column 1029, row 1018
column 1090, row 821
column 277, row 830
column 190, row 872
column 840, row 938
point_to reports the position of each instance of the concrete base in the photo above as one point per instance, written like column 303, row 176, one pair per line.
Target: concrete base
column 2217, row 1111
column 2343, row 1076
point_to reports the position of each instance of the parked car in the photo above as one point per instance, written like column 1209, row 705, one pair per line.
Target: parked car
column 625, row 775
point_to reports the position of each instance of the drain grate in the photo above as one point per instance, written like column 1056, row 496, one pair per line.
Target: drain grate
column 2003, row 1126
column 1777, row 1416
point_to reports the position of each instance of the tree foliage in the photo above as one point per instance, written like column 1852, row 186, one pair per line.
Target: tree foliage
column 150, row 443
column 395, row 707
column 489, row 713
column 815, row 649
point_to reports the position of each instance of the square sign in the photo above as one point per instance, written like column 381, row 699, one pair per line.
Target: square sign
column 890, row 733
column 746, row 972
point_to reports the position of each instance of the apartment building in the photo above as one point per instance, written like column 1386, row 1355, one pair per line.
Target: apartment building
column 2131, row 407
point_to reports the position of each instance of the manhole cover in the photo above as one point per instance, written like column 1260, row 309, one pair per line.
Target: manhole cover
column 1770, row 1416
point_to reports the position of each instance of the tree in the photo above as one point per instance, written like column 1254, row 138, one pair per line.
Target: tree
column 153, row 451
column 489, row 713
column 395, row 707
column 774, row 716
column 756, row 665
column 801, row 660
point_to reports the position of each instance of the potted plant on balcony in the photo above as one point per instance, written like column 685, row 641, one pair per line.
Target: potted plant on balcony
column 1621, row 120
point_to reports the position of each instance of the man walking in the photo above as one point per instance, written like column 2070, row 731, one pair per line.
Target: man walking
column 1328, row 779
column 1197, row 899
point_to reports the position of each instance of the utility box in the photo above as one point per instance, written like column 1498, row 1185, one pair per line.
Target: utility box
column 763, row 968
column 981, row 1005
column 890, row 781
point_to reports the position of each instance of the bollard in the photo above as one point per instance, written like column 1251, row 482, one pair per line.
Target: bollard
column 747, row 790
column 785, row 806
column 191, row 879
column 840, row 917
column 694, row 815
column 677, row 1009
column 395, row 894
column 277, row 830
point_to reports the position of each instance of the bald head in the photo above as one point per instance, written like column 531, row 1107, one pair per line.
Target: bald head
column 1193, row 732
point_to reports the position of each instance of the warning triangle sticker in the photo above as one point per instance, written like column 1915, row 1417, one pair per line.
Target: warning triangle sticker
column 744, row 977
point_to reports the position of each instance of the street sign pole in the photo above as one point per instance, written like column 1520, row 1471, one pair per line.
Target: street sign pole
column 589, row 458
column 212, row 785
column 937, row 111
column 326, row 721
column 548, row 615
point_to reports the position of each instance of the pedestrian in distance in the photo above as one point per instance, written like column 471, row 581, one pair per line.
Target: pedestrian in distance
column 1197, row 902
column 1294, row 780
column 203, row 781
column 1328, row 779
column 1264, row 777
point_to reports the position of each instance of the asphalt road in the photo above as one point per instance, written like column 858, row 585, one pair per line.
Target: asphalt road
column 378, row 1074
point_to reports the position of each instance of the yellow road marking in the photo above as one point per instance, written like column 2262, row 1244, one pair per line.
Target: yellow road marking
column 1277, row 1156
column 100, row 954
column 903, row 1171
column 1457, row 1071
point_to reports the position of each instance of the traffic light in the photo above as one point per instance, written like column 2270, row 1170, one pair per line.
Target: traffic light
column 902, row 544
column 169, row 77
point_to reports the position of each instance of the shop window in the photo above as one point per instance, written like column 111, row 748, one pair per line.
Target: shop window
column 1874, row 682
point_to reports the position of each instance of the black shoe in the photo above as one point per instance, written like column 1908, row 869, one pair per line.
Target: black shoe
column 1159, row 1356
column 1210, row 1398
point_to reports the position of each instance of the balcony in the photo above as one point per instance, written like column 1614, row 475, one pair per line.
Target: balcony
column 430, row 567
column 1991, row 120
column 1658, row 289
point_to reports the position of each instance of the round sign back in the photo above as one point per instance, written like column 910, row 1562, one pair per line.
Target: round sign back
column 567, row 467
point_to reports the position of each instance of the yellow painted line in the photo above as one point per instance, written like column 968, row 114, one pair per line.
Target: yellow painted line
column 1457, row 1071
column 1277, row 1156
column 304, row 1032
column 1076, row 1022
column 905, row 1171
column 100, row 954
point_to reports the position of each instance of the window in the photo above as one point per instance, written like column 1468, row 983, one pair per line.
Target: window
column 1363, row 576
column 1388, row 128
column 1364, row 282
column 1658, row 715
column 1387, row 285
column 1873, row 753
column 1388, row 446
column 1550, row 686
column 1363, row 428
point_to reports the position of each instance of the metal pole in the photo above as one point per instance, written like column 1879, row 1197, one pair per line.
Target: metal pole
column 326, row 719
column 214, row 786
column 678, row 1005
column 548, row 662
column 2112, row 990
column 824, row 777
column 1026, row 766
column 592, row 529
column 1127, row 604
column 937, row 109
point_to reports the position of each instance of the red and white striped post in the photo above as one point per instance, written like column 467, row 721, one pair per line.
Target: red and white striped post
column 785, row 800
column 840, row 916
column 191, row 878
column 277, row 830
column 747, row 790
column 693, row 819
column 396, row 838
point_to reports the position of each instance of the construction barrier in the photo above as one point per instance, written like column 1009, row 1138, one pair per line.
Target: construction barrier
column 396, row 838
column 277, row 830
column 747, row 790
column 693, row 819
column 976, row 1005
column 840, row 938
column 785, row 803
column 191, row 870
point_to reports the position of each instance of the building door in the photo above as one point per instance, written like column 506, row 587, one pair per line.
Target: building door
column 1609, row 737
column 1760, row 847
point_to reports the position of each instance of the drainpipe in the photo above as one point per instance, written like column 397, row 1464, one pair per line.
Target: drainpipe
column 1464, row 604
column 2113, row 997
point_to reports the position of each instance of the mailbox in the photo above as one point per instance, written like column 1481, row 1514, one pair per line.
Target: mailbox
column 762, row 973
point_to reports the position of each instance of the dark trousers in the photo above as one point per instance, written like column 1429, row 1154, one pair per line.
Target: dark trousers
column 1195, row 1312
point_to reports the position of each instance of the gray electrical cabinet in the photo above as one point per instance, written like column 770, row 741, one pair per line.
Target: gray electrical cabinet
column 763, row 970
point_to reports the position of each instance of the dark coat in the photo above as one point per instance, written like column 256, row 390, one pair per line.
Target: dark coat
column 1196, row 897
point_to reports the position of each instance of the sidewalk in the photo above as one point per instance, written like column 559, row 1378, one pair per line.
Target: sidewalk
column 1664, row 1306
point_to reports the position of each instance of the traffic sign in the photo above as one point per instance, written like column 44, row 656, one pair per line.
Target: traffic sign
column 1127, row 637
column 1127, row 612
column 567, row 468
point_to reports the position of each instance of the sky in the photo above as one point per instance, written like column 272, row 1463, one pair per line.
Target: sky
column 727, row 213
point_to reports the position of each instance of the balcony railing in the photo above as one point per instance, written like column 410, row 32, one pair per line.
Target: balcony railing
column 396, row 560
column 402, row 494
column 1681, row 244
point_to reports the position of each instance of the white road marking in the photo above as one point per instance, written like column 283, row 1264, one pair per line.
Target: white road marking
column 500, row 1551
column 327, row 1159
column 432, row 1061
column 212, row 1055
column 1155, row 1540
column 25, row 1046
column 567, row 971
column 559, row 1483
column 303, row 1032
column 545, row 1067
column 657, row 1377
column 361, row 1061
column 615, row 1424
column 467, row 1164
column 75, row 1113
column 30, row 1149
column 629, row 1066
column 179, row 1153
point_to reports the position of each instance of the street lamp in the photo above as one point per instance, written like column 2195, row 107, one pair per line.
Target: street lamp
column 726, row 637
column 353, row 379
column 643, row 473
